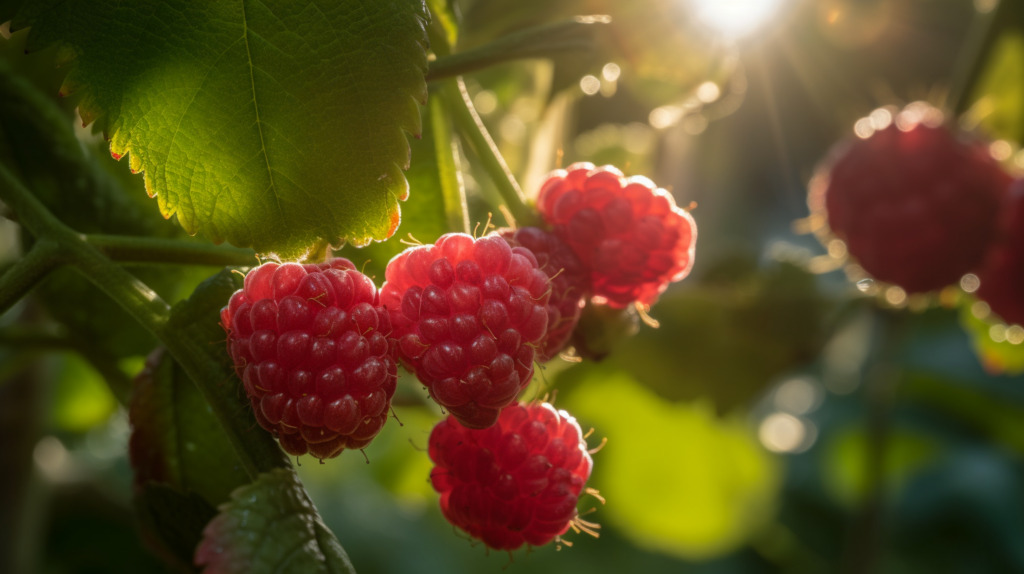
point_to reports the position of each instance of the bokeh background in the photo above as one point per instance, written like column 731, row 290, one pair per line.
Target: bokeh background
column 784, row 417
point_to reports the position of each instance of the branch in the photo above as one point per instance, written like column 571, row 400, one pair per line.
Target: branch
column 576, row 35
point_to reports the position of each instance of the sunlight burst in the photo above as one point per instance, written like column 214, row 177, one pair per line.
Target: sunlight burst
column 735, row 17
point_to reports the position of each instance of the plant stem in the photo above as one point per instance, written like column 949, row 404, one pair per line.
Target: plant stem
column 969, row 62
column 453, row 192
column 146, row 307
column 472, row 128
column 19, row 279
column 543, row 41
column 864, row 549
column 129, row 249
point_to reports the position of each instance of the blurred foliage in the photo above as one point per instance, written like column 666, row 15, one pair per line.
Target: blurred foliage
column 688, row 409
column 664, row 461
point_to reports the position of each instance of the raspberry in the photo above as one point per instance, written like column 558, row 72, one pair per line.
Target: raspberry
column 915, row 205
column 468, row 315
column 1002, row 274
column 569, row 283
column 311, row 345
column 631, row 235
column 518, row 481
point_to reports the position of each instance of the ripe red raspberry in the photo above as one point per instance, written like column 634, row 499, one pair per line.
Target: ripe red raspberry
column 1002, row 274
column 468, row 315
column 311, row 345
column 518, row 481
column 569, row 284
column 915, row 205
column 631, row 235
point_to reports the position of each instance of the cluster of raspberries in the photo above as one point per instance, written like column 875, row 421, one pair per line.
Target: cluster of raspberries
column 317, row 345
column 919, row 205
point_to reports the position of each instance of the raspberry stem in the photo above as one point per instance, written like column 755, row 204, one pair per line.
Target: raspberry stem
column 472, row 128
column 574, row 35
column 452, row 191
column 256, row 451
column 127, row 249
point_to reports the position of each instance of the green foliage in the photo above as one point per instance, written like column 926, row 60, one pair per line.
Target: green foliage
column 277, row 126
column 176, row 438
column 262, row 528
column 711, row 483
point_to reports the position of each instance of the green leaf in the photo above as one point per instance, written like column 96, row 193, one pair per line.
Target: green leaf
column 270, row 526
column 434, row 206
column 276, row 125
column 176, row 439
column 1000, row 89
column 171, row 522
column 82, row 400
column 772, row 318
column 998, row 353
column 37, row 141
column 676, row 478
column 198, row 319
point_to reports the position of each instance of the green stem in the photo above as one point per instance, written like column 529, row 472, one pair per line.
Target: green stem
column 129, row 249
column 146, row 307
column 472, row 128
column 971, row 58
column 19, row 279
column 575, row 35
column 453, row 192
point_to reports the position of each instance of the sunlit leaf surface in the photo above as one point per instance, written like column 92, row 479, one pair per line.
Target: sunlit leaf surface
column 278, row 125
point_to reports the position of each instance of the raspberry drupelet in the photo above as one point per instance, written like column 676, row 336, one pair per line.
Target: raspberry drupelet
column 570, row 284
column 469, row 315
column 312, row 346
column 516, row 482
column 626, row 231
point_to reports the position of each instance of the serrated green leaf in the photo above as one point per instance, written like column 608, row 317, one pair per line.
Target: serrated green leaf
column 270, row 526
column 176, row 439
column 434, row 186
column 37, row 141
column 277, row 125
